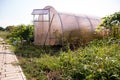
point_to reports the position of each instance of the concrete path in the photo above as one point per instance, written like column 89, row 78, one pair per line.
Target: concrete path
column 9, row 68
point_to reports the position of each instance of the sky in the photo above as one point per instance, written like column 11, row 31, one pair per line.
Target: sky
column 15, row 12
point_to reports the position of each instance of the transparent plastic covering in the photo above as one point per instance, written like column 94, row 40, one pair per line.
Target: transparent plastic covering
column 40, row 11
column 62, row 28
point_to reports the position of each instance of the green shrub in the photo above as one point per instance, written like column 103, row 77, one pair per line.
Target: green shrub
column 21, row 32
column 99, row 60
column 4, row 34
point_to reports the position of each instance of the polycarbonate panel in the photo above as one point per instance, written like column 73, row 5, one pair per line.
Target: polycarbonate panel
column 61, row 27
column 40, row 12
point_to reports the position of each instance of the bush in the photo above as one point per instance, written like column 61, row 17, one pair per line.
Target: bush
column 99, row 60
column 92, row 63
column 20, row 33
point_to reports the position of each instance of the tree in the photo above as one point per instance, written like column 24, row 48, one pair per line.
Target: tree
column 22, row 32
column 10, row 28
column 1, row 29
column 112, row 22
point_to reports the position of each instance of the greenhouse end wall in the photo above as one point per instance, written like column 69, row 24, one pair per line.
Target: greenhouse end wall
column 54, row 28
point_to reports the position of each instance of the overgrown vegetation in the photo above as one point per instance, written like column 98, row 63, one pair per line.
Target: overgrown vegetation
column 111, row 23
column 99, row 60
column 2, row 29
column 20, row 33
column 4, row 34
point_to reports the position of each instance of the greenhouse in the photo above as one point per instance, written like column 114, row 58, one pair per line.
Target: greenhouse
column 54, row 28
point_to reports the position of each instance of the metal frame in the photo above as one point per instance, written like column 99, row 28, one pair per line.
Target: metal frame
column 41, row 14
column 42, row 20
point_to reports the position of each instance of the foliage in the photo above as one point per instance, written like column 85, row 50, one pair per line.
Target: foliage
column 21, row 32
column 10, row 28
column 2, row 29
column 108, row 20
column 4, row 34
column 32, row 51
column 111, row 22
column 99, row 60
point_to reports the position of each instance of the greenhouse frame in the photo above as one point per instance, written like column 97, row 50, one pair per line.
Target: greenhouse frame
column 55, row 28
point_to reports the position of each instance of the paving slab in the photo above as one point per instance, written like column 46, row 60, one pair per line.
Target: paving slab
column 9, row 67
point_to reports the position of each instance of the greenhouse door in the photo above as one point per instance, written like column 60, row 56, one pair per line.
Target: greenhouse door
column 41, row 23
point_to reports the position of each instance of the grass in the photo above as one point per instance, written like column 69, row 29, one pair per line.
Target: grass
column 99, row 60
column 4, row 34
